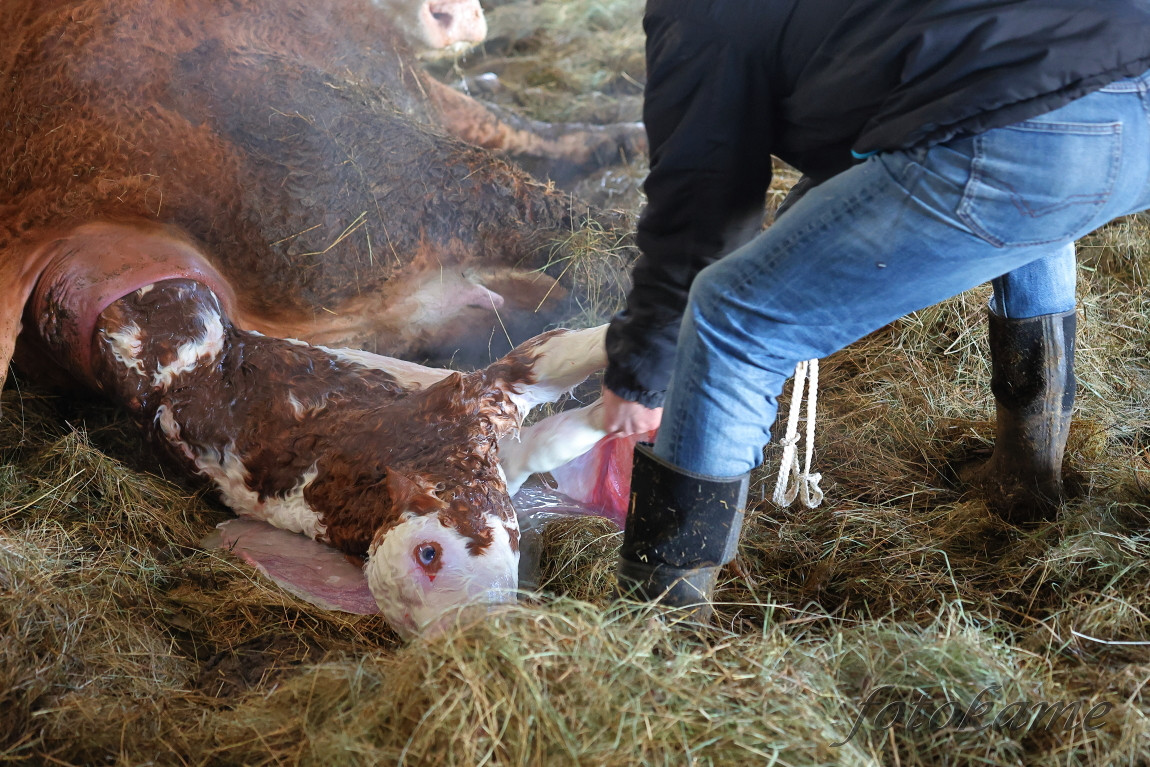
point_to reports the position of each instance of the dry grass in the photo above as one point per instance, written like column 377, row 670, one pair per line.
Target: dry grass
column 121, row 642
column 563, row 61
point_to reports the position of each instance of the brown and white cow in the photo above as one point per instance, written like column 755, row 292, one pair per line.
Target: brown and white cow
column 453, row 25
column 289, row 140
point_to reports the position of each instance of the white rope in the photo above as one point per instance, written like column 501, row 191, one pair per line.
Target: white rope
column 804, row 481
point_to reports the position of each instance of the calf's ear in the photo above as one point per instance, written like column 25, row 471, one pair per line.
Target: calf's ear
column 313, row 571
column 412, row 493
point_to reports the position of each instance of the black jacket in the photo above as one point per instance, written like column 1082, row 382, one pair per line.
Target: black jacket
column 732, row 82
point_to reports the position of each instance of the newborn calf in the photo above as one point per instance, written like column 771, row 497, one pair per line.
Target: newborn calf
column 379, row 458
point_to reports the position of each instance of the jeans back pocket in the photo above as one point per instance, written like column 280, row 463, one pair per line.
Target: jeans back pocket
column 1037, row 182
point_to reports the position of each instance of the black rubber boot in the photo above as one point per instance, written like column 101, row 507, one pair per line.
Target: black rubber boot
column 1032, row 377
column 681, row 528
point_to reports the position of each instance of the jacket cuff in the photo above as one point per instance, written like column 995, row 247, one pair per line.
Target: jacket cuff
column 641, row 357
column 622, row 385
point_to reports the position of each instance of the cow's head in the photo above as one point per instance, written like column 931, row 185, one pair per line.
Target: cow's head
column 437, row 24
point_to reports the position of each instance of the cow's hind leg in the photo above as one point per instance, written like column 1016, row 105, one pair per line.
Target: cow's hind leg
column 17, row 279
column 557, row 151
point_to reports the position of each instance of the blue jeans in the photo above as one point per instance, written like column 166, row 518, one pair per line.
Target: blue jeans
column 892, row 235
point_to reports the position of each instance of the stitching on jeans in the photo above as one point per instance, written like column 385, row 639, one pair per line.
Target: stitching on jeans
column 1067, row 128
column 1072, row 201
column 1136, row 84
column 1125, row 86
column 1145, row 99
column 977, row 175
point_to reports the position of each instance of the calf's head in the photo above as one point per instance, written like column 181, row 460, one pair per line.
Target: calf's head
column 446, row 553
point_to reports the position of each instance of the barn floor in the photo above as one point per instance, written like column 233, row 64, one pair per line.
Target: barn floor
column 122, row 642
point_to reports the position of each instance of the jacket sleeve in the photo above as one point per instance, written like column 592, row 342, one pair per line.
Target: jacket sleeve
column 708, row 120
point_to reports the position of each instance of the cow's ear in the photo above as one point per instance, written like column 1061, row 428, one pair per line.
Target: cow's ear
column 412, row 493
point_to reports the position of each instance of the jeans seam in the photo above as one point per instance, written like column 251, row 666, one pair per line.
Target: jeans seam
column 694, row 367
column 1071, row 128
column 1133, row 84
column 1145, row 99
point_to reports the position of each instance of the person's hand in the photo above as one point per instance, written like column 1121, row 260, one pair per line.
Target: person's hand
column 623, row 418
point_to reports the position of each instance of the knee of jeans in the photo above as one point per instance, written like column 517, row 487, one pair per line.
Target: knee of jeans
column 708, row 303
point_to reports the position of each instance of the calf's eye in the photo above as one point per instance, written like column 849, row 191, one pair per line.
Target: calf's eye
column 426, row 554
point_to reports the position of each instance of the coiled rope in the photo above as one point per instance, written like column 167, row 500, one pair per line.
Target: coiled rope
column 804, row 482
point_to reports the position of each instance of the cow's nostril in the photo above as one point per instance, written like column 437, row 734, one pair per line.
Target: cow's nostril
column 444, row 19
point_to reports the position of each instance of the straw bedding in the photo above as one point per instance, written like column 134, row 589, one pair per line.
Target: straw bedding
column 121, row 642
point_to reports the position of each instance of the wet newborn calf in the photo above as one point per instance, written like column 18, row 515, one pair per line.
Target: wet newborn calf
column 379, row 458
column 375, row 456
